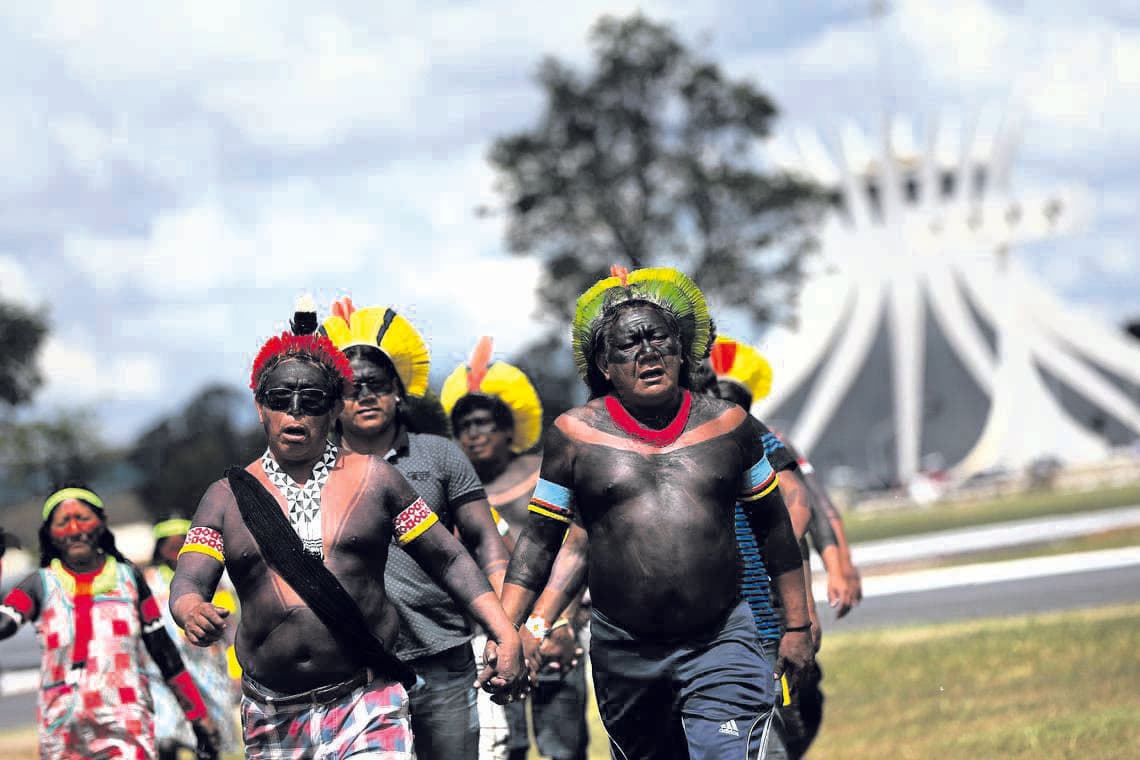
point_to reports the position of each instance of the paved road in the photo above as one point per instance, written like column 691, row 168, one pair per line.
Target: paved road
column 1016, row 597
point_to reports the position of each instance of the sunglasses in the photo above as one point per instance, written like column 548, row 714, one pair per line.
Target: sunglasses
column 312, row 401
column 362, row 388
column 475, row 427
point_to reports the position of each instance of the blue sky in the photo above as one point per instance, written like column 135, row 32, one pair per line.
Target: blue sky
column 177, row 174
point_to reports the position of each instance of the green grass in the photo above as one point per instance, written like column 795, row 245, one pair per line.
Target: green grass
column 1044, row 686
column 878, row 525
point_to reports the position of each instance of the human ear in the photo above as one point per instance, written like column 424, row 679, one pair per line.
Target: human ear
column 603, row 364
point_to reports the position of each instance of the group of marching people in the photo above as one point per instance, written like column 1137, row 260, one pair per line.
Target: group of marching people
column 407, row 594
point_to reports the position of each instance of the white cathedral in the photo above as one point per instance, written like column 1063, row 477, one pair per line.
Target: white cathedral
column 920, row 342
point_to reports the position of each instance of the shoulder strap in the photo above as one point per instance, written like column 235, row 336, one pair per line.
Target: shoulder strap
column 283, row 551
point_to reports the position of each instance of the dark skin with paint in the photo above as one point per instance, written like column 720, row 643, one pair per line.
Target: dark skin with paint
column 280, row 641
column 662, row 550
column 509, row 479
column 368, row 426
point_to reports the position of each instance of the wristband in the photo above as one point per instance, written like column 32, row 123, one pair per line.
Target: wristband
column 558, row 624
column 537, row 626
column 798, row 628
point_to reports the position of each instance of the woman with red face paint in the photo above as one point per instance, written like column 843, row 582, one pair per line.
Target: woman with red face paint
column 95, row 615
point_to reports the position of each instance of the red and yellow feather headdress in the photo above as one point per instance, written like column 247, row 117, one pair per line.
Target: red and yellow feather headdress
column 743, row 364
column 382, row 328
column 504, row 381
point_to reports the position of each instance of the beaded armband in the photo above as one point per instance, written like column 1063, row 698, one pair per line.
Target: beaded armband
column 205, row 541
column 759, row 481
column 413, row 521
column 553, row 501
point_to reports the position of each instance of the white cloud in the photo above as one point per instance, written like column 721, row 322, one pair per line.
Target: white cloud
column 75, row 374
column 15, row 284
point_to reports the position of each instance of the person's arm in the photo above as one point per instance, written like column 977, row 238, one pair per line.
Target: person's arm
column 479, row 534
column 844, row 566
column 473, row 520
column 200, row 565
column 557, row 606
column 550, row 515
column 165, row 654
column 21, row 604
column 767, row 514
column 418, row 531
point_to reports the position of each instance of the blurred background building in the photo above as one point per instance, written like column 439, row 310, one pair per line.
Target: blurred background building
column 920, row 345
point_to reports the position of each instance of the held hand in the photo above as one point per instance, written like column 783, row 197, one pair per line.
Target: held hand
column 560, row 652
column 505, row 675
column 794, row 656
column 205, row 623
column 816, row 630
column 531, row 652
column 209, row 741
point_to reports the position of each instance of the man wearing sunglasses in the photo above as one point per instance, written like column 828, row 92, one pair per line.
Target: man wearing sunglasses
column 318, row 679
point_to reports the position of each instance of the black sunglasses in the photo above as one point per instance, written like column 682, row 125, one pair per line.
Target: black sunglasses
column 313, row 401
column 362, row 388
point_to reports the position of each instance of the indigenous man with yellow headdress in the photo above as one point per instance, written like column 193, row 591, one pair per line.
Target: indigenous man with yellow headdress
column 209, row 666
column 496, row 416
column 390, row 361
column 744, row 377
column 653, row 474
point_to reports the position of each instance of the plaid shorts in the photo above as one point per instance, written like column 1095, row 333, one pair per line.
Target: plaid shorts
column 371, row 721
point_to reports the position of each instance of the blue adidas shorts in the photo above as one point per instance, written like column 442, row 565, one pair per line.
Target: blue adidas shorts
column 704, row 697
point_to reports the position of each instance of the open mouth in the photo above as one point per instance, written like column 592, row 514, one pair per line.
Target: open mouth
column 652, row 373
column 294, row 432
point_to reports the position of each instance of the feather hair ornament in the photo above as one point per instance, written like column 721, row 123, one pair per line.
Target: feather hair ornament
column 381, row 327
column 316, row 347
column 743, row 364
column 503, row 381
column 663, row 286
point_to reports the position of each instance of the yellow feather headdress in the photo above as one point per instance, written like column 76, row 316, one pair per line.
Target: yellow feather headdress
column 504, row 381
column 663, row 286
column 743, row 364
column 382, row 328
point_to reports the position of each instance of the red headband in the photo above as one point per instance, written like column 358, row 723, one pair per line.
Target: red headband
column 317, row 347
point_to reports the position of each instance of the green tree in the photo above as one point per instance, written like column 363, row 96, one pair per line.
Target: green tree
column 180, row 455
column 36, row 455
column 650, row 159
column 21, row 333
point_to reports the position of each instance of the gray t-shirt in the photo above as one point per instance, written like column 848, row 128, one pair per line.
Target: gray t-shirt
column 430, row 620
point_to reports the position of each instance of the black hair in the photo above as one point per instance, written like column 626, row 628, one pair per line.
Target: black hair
column 416, row 415
column 595, row 380
column 500, row 412
column 48, row 552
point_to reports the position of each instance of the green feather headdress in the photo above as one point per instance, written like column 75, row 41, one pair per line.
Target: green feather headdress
column 663, row 286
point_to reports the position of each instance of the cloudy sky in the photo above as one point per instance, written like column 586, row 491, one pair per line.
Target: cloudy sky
column 175, row 174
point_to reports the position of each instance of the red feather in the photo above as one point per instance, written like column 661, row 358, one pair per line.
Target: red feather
column 343, row 309
column 316, row 347
column 480, row 362
column 723, row 356
column 620, row 272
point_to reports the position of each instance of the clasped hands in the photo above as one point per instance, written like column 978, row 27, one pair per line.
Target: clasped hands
column 507, row 681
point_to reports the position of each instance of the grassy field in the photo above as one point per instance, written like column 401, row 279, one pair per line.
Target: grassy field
column 877, row 525
column 1060, row 685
